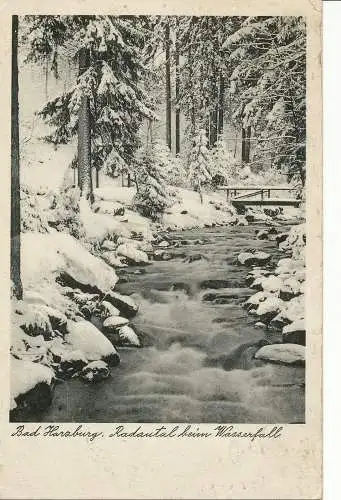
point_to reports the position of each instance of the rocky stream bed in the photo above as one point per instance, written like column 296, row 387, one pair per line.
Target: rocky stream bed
column 197, row 348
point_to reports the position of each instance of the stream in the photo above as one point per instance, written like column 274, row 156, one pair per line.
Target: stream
column 197, row 362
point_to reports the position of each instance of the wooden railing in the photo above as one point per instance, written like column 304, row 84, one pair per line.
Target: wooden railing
column 264, row 192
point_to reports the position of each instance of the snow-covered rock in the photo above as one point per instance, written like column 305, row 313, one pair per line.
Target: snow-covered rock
column 271, row 284
column 280, row 237
column 34, row 320
column 57, row 319
column 85, row 336
column 28, row 348
column 30, row 384
column 145, row 246
column 291, row 288
column 162, row 255
column 62, row 254
column 253, row 258
column 109, row 245
column 99, row 226
column 132, row 254
column 294, row 333
column 256, row 299
column 112, row 259
column 163, row 244
column 292, row 354
column 128, row 337
column 242, row 221
column 113, row 323
column 105, row 310
column 263, row 234
column 269, row 308
column 71, row 362
column 109, row 207
column 94, row 372
column 124, row 303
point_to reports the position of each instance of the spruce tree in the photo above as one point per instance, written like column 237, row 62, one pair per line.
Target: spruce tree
column 113, row 81
column 199, row 172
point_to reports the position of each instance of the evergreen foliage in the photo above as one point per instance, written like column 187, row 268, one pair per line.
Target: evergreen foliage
column 151, row 198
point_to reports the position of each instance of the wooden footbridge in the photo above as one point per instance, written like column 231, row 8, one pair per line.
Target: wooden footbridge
column 258, row 196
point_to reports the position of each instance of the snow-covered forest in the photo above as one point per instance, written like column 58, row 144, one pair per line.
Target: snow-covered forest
column 127, row 132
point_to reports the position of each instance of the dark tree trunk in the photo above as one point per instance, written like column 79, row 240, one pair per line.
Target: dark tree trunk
column 214, row 125
column 246, row 136
column 97, row 177
column 84, row 137
column 193, row 115
column 208, row 130
column 168, row 89
column 221, row 105
column 177, row 84
column 15, row 169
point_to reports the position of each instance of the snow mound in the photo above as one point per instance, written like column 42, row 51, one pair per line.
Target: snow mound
column 84, row 336
column 62, row 253
column 188, row 212
column 99, row 226
column 25, row 375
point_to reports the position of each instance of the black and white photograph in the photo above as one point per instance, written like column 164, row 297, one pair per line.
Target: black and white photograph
column 158, row 209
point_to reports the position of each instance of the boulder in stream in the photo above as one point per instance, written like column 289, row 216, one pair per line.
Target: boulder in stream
column 269, row 308
column 84, row 336
column 194, row 258
column 105, row 310
column 263, row 234
column 215, row 284
column 253, row 258
column 295, row 333
column 109, row 245
column 132, row 254
column 114, row 323
column 94, row 372
column 113, row 260
column 288, row 354
column 125, row 304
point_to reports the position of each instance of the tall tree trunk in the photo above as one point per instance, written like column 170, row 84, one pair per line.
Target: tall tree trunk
column 177, row 84
column 246, row 136
column 221, row 105
column 84, row 137
column 46, row 78
column 15, row 169
column 208, row 130
column 214, row 130
column 193, row 115
column 168, row 89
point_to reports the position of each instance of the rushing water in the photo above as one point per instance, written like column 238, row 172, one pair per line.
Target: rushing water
column 195, row 366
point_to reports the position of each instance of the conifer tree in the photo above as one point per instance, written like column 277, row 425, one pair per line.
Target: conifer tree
column 199, row 166
column 151, row 197
column 113, row 81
